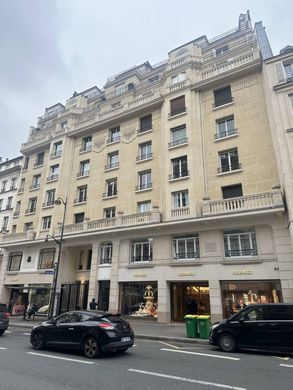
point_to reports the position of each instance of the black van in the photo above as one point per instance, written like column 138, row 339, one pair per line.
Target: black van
column 267, row 327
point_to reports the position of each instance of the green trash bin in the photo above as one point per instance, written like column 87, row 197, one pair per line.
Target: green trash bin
column 191, row 325
column 204, row 323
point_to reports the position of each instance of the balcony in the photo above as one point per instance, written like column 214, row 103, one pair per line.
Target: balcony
column 83, row 174
column 249, row 203
column 180, row 213
column 225, row 134
column 241, row 252
column 56, row 154
column 81, row 199
column 86, row 148
column 181, row 141
column 179, row 175
column 112, row 166
column 114, row 139
column 110, row 194
column 35, row 186
column 146, row 156
column 143, row 187
column 53, row 177
column 106, row 260
column 229, row 168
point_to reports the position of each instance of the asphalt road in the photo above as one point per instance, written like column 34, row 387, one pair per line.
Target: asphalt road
column 149, row 365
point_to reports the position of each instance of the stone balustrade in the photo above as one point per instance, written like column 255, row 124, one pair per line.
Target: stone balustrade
column 260, row 201
column 180, row 213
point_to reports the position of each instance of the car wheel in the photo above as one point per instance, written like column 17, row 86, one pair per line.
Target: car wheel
column 2, row 332
column 38, row 341
column 91, row 347
column 227, row 343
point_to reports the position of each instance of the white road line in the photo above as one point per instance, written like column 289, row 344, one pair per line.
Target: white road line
column 200, row 354
column 169, row 345
column 26, row 334
column 179, row 378
column 286, row 365
column 2, row 348
column 60, row 358
column 8, row 331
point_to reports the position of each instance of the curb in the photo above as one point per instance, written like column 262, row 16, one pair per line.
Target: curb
column 137, row 336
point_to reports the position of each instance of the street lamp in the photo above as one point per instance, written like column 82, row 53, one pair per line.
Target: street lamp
column 59, row 242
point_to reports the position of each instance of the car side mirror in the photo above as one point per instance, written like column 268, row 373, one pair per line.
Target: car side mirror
column 52, row 321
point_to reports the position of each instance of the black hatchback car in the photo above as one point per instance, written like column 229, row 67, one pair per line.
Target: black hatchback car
column 4, row 318
column 90, row 331
column 267, row 327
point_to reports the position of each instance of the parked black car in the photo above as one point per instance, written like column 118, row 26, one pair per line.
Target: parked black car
column 90, row 331
column 267, row 327
column 4, row 318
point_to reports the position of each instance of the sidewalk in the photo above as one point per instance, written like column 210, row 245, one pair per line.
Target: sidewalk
column 143, row 329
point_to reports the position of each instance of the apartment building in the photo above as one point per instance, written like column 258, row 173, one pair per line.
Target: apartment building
column 168, row 185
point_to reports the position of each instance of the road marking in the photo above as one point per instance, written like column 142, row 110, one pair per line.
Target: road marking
column 2, row 348
column 286, row 365
column 179, row 378
column 200, row 354
column 26, row 334
column 60, row 358
column 8, row 331
column 282, row 358
column 169, row 345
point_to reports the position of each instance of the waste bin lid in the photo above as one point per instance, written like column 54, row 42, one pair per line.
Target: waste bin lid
column 203, row 317
column 190, row 316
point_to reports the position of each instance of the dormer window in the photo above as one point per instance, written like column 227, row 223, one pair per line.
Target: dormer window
column 221, row 50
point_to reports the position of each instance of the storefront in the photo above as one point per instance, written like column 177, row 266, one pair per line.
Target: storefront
column 23, row 297
column 238, row 294
column 139, row 299
column 73, row 296
column 189, row 298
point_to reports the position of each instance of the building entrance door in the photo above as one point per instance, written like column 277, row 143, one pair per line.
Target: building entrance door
column 104, row 294
column 189, row 298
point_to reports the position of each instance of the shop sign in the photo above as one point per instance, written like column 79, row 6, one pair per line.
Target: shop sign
column 186, row 274
column 242, row 272
column 140, row 275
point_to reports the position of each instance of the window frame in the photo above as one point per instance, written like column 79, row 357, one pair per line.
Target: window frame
column 138, row 249
column 241, row 252
column 106, row 252
column 17, row 262
column 49, row 263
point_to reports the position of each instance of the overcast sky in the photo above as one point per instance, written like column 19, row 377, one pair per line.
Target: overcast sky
column 50, row 48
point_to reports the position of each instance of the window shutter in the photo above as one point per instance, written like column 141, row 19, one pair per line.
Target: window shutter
column 177, row 105
column 280, row 72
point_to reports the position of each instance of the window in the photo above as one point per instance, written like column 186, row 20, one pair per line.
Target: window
column 50, row 198
column 221, row 50
column 141, row 250
column 229, row 161
column 32, row 205
column 110, row 212
column 144, row 207
column 145, row 123
column 89, row 259
column 13, row 230
column 144, row 151
column 21, row 187
column 222, row 96
column 178, row 78
column 78, row 218
column 288, row 67
column 144, row 180
column 46, row 258
column 180, row 199
column 86, row 144
column 14, row 261
column 3, row 187
column 28, row 226
column 81, row 194
column 114, row 135
column 178, row 136
column 17, row 208
column 36, row 182
column 177, row 105
column 179, row 167
column 1, row 203
column 111, row 187
column 291, row 100
column 284, row 71
column 84, row 168
column 106, row 253
column 233, row 191
column 40, row 159
column 63, row 124
column 46, row 222
column 239, row 243
column 54, row 172
column 113, row 160
column 225, row 127
column 9, row 202
column 5, row 224
column 57, row 149
column 26, row 162
column 186, row 247
column 13, row 183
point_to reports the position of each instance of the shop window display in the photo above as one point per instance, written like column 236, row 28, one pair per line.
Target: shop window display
column 139, row 299
column 238, row 294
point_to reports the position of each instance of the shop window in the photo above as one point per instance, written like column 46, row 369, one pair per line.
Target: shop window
column 46, row 258
column 238, row 294
column 139, row 299
column 141, row 250
column 14, row 261
column 106, row 253
column 240, row 243
column 186, row 247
